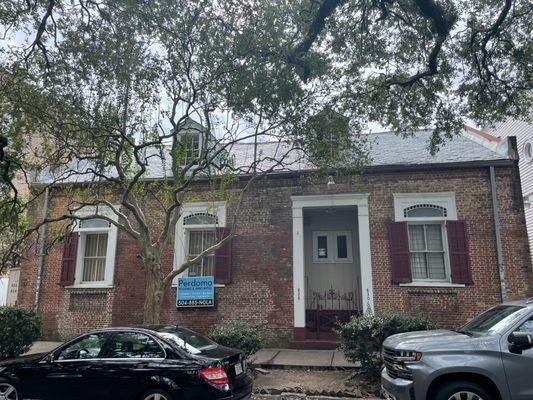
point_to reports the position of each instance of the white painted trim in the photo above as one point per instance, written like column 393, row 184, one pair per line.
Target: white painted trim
column 298, row 267
column 433, row 284
column 217, row 208
column 112, row 235
column 89, row 286
column 443, row 199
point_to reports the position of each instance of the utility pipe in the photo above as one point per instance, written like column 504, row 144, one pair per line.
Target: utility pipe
column 42, row 250
column 497, row 232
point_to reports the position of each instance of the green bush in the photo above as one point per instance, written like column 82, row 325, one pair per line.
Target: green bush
column 238, row 336
column 362, row 337
column 18, row 330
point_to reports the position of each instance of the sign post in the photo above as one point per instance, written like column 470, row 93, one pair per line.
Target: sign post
column 196, row 292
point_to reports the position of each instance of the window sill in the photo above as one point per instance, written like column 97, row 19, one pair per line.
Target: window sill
column 433, row 284
column 90, row 286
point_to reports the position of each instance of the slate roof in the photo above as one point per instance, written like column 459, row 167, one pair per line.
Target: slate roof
column 385, row 149
column 391, row 149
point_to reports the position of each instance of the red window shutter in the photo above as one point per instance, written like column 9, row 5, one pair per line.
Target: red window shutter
column 458, row 249
column 399, row 252
column 223, row 257
column 68, row 264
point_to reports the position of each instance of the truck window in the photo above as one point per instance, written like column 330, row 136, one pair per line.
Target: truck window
column 494, row 320
column 526, row 326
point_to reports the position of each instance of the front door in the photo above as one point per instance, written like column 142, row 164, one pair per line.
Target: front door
column 519, row 367
column 332, row 270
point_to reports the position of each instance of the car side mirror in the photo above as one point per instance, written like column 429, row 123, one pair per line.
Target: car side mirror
column 520, row 341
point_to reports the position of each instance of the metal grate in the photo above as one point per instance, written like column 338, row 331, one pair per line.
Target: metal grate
column 395, row 368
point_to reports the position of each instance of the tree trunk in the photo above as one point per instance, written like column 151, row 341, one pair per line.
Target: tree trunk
column 155, row 289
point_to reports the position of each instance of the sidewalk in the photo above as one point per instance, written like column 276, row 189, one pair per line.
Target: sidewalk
column 42, row 347
column 277, row 358
column 289, row 358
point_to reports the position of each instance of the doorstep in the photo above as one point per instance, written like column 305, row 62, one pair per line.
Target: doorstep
column 291, row 358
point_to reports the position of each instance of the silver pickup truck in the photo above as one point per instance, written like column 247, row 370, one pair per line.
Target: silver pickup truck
column 490, row 358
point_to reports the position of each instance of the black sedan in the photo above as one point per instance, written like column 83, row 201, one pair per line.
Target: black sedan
column 160, row 363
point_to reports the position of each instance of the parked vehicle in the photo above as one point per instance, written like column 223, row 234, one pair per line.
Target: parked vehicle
column 160, row 363
column 490, row 358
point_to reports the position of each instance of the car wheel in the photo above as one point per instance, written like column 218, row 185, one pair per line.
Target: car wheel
column 8, row 391
column 155, row 394
column 462, row 391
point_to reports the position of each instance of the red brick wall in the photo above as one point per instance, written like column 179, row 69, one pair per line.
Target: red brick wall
column 261, row 291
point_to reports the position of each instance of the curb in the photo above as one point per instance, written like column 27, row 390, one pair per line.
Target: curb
column 299, row 393
column 305, row 367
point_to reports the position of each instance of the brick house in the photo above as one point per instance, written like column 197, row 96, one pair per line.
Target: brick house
column 414, row 233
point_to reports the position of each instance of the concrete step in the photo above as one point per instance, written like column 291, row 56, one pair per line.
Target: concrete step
column 314, row 344
column 291, row 358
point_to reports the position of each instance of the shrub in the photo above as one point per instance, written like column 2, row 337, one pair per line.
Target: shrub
column 18, row 330
column 245, row 338
column 362, row 337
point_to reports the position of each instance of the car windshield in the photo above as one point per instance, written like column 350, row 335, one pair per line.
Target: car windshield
column 188, row 340
column 495, row 320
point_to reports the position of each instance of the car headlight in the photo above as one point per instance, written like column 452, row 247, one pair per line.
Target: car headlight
column 408, row 355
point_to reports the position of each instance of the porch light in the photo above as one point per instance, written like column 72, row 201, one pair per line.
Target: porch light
column 331, row 183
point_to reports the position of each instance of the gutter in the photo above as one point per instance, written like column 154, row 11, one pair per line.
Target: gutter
column 42, row 252
column 497, row 232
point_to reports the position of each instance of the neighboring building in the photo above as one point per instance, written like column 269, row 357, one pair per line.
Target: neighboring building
column 413, row 233
column 4, row 283
column 523, row 132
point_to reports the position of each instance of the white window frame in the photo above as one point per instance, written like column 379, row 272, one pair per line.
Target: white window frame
column 332, row 247
column 181, row 245
column 444, row 248
column 112, row 233
column 442, row 199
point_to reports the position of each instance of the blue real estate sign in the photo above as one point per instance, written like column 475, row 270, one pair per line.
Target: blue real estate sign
column 196, row 292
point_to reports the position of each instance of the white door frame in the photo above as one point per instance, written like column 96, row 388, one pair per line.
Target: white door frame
column 298, row 265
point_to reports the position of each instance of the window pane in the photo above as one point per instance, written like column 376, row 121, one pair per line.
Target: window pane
column 102, row 245
column 135, row 345
column 209, row 239
column 195, row 243
column 416, row 238
column 342, row 246
column 436, row 269
column 198, row 242
column 85, row 348
column 94, row 223
column 91, row 245
column 434, row 237
column 418, row 266
column 200, row 219
column 322, row 246
column 425, row 210
column 93, row 270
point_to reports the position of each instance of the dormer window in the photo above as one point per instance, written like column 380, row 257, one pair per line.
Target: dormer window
column 192, row 147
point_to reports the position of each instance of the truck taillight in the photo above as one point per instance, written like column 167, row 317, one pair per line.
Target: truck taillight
column 215, row 375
